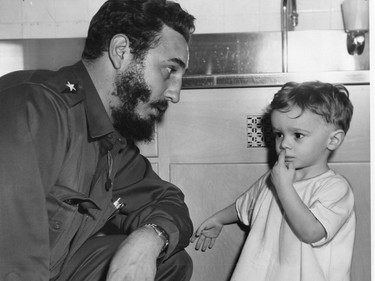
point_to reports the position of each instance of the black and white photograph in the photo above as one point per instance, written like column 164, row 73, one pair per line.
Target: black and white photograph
column 187, row 140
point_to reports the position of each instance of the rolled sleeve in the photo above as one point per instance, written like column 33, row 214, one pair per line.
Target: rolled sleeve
column 149, row 199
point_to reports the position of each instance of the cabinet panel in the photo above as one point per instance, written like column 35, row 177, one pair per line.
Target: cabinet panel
column 209, row 188
column 359, row 177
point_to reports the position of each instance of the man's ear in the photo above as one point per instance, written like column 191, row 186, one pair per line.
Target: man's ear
column 335, row 139
column 119, row 50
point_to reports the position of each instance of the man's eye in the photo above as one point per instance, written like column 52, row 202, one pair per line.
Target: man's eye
column 171, row 69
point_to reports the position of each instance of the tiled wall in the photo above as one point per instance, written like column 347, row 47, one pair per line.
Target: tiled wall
column 70, row 18
column 46, row 18
column 261, row 15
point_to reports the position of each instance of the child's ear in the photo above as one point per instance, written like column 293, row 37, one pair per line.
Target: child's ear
column 335, row 139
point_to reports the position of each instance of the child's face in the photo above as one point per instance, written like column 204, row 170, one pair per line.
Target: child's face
column 304, row 137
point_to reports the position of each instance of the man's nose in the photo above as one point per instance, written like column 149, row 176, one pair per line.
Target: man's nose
column 173, row 91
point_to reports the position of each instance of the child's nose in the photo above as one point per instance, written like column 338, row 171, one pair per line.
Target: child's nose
column 285, row 144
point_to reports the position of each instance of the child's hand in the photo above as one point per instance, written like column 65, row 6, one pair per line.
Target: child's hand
column 282, row 173
column 206, row 233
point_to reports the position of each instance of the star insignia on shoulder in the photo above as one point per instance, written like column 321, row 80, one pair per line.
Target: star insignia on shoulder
column 71, row 87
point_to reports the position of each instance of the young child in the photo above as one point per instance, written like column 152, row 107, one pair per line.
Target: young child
column 301, row 213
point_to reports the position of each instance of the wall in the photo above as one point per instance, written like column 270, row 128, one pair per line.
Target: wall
column 70, row 18
column 46, row 18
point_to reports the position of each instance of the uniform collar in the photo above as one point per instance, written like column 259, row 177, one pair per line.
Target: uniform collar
column 99, row 123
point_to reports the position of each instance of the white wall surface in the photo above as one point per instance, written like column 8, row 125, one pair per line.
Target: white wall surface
column 70, row 18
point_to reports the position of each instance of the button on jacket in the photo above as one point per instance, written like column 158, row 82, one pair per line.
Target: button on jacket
column 62, row 165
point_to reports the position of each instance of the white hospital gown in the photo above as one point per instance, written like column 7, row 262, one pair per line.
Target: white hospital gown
column 273, row 252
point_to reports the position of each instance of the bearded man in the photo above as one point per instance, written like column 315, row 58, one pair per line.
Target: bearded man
column 69, row 164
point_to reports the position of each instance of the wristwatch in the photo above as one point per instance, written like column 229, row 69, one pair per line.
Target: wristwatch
column 162, row 234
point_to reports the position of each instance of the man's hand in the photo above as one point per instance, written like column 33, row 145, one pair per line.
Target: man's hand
column 136, row 257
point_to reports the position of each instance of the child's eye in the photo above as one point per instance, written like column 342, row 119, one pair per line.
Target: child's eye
column 278, row 134
column 299, row 135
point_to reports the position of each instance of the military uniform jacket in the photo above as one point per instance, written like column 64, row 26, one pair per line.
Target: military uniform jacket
column 62, row 165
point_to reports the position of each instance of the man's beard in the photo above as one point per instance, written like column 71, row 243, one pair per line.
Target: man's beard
column 131, row 90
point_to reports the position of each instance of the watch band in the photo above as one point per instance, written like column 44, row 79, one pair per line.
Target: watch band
column 161, row 233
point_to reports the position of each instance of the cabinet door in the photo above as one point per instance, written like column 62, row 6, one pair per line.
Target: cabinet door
column 209, row 188
column 358, row 174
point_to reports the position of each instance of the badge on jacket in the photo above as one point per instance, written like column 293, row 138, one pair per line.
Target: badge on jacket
column 70, row 87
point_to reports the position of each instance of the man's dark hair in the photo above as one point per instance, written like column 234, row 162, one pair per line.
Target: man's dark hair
column 329, row 101
column 140, row 20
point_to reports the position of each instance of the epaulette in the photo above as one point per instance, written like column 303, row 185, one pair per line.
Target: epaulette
column 68, row 88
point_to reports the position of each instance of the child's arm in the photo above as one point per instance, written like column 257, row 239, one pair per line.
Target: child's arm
column 210, row 229
column 302, row 221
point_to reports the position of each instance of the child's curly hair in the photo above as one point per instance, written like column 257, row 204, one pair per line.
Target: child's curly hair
column 327, row 100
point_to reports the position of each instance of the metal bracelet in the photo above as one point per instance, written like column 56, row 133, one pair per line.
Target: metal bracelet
column 161, row 233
